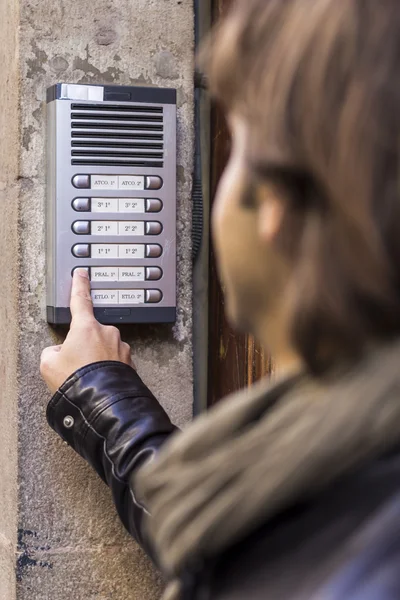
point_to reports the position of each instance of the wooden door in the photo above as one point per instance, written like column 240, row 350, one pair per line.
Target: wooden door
column 235, row 360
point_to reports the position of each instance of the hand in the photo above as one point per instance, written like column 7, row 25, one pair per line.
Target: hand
column 87, row 341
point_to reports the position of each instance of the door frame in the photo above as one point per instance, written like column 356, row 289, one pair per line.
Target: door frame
column 235, row 360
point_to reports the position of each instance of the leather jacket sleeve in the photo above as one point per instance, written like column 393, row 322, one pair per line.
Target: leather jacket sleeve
column 107, row 414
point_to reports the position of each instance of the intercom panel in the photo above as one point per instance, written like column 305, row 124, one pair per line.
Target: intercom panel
column 111, row 200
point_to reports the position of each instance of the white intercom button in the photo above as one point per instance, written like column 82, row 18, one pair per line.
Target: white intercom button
column 131, row 251
column 104, row 297
column 131, row 182
column 153, row 228
column 81, row 250
column 81, row 227
column 131, row 296
column 104, row 227
column 153, row 182
column 153, row 296
column 81, row 204
column 131, row 228
column 104, row 182
column 105, row 205
column 81, row 181
column 131, row 205
column 153, row 250
column 104, row 250
column 104, row 274
column 131, row 273
column 153, row 273
column 153, row 205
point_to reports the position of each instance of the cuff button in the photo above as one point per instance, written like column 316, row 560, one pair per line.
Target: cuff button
column 68, row 422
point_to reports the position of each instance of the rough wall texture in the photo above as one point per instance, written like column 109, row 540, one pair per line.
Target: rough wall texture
column 9, row 153
column 71, row 545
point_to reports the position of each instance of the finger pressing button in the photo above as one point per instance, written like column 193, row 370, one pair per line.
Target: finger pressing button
column 153, row 296
column 153, row 250
column 81, row 250
column 81, row 181
column 87, row 269
column 153, row 228
column 153, row 182
column 81, row 227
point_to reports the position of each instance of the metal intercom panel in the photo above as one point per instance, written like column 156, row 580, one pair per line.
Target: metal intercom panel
column 111, row 200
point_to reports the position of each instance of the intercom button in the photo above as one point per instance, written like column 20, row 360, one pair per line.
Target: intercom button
column 131, row 274
column 153, row 205
column 153, row 250
column 153, row 182
column 131, row 296
column 104, row 297
column 104, row 274
column 153, row 228
column 81, row 250
column 81, row 204
column 81, row 181
column 153, row 273
column 153, row 296
column 104, row 182
column 87, row 269
column 81, row 227
column 135, row 205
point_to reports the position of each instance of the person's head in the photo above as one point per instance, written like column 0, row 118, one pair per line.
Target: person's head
column 307, row 216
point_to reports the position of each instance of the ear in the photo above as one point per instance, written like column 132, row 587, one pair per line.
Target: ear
column 271, row 210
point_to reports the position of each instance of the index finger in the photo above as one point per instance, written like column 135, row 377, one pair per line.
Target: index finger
column 81, row 304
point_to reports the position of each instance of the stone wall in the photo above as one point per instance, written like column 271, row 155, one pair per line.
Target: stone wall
column 9, row 155
column 71, row 545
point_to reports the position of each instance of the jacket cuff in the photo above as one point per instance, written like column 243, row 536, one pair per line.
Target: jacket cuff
column 71, row 418
column 82, row 409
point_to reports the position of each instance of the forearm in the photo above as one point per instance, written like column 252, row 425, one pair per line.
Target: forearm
column 107, row 414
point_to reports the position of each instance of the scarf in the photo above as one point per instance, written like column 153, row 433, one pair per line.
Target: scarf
column 261, row 450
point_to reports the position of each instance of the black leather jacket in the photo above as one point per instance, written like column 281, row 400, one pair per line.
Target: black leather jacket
column 342, row 544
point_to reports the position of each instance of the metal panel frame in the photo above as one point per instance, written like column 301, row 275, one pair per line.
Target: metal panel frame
column 60, row 214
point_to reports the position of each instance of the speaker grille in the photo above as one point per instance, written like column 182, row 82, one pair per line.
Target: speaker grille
column 117, row 135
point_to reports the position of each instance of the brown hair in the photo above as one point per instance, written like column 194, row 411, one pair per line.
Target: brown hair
column 318, row 84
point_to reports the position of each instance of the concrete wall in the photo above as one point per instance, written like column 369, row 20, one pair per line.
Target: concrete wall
column 71, row 545
column 9, row 153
